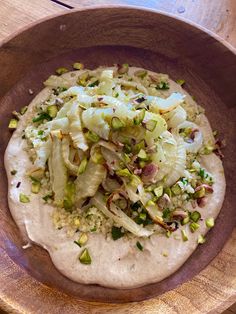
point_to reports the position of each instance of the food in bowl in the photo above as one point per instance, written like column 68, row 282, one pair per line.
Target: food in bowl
column 113, row 171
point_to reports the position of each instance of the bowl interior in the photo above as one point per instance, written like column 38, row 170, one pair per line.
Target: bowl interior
column 104, row 37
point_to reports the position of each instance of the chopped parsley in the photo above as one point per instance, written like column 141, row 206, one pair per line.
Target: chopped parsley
column 116, row 233
column 139, row 246
column 42, row 116
column 163, row 85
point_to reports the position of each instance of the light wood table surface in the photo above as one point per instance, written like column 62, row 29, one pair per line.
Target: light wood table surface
column 219, row 16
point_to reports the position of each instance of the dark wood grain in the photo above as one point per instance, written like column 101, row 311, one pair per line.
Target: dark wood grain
column 107, row 36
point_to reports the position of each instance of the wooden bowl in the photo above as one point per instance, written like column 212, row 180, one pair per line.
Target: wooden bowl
column 104, row 36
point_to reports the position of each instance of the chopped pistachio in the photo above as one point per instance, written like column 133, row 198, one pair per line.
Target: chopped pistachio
column 215, row 133
column 158, row 191
column 185, row 221
column 82, row 79
column 140, row 145
column 116, row 123
column 150, row 188
column 78, row 66
column 210, row 222
column 150, row 125
column 142, row 154
column 123, row 172
column 165, row 254
column 184, row 235
column 82, row 239
column 23, row 110
column 176, row 189
column 200, row 193
column 168, row 233
column 194, row 226
column 61, row 70
column 52, row 111
column 37, row 175
column 139, row 117
column 134, row 180
column 12, row 124
column 82, row 166
column 140, row 73
column 35, row 187
column 201, row 239
column 168, row 191
column 208, row 149
column 124, row 68
column 47, row 197
column 195, row 216
column 85, row 257
column 92, row 136
column 139, row 246
column 97, row 158
column 24, row 198
column 142, row 163
column 180, row 82
column 150, row 203
column 13, row 172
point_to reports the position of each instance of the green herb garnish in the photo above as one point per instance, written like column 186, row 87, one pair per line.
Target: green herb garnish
column 163, row 85
column 95, row 83
column 42, row 116
column 92, row 136
column 116, row 233
column 139, row 246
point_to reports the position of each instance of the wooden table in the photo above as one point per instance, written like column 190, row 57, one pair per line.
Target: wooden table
column 215, row 286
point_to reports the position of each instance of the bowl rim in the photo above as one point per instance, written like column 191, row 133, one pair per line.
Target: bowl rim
column 125, row 7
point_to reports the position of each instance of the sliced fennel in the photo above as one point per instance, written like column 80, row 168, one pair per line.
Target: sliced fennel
column 120, row 217
column 88, row 182
column 57, row 169
column 111, row 131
